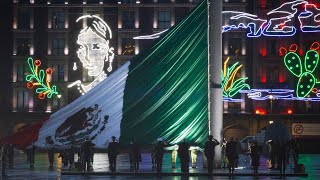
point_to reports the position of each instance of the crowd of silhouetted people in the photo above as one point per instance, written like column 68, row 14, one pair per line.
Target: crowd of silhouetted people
column 279, row 152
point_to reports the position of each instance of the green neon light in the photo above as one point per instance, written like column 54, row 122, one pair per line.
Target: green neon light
column 230, row 86
column 293, row 63
column 44, row 88
column 306, row 80
column 311, row 60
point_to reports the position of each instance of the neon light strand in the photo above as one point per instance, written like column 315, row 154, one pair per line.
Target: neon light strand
column 279, row 94
column 230, row 86
column 307, row 81
column 309, row 20
column 45, row 89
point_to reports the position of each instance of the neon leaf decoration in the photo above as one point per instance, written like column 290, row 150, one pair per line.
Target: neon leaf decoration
column 293, row 63
column 305, row 84
column 311, row 60
column 230, row 86
column 307, row 81
column 37, row 75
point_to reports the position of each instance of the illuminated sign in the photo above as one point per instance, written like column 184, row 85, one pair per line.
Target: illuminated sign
column 280, row 23
column 94, row 51
column 42, row 80
column 230, row 85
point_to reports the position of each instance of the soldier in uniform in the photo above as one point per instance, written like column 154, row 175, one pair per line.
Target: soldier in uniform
column 86, row 149
column 113, row 149
column 159, row 151
column 10, row 155
column 209, row 151
column 4, row 157
column 231, row 152
column 135, row 155
column 51, row 157
column 183, row 152
column 31, row 155
column 71, row 152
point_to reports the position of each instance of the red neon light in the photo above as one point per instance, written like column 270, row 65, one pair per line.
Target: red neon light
column 300, row 51
column 263, row 3
column 315, row 46
column 293, row 48
column 289, row 111
column 315, row 90
column 264, row 52
column 282, row 51
column 260, row 111
column 281, row 78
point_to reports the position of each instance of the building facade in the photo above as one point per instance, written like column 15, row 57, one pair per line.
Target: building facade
column 48, row 30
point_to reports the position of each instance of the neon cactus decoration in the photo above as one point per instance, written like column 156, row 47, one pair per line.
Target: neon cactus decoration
column 303, row 70
column 44, row 88
column 230, row 86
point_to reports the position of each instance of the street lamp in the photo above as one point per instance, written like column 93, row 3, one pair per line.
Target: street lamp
column 271, row 108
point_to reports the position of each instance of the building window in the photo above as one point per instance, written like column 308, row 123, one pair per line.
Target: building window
column 127, row 46
column 22, row 71
column 23, row 46
column 234, row 46
column 129, row 1
column 24, row 19
column 22, row 100
column 235, row 1
column 164, row 19
column 58, row 47
column 128, row 19
column 93, row 1
column 58, row 20
column 273, row 74
column 234, row 106
column 94, row 12
column 58, row 72
column 272, row 4
column 164, row 1
column 58, row 103
column 272, row 49
column 57, row 1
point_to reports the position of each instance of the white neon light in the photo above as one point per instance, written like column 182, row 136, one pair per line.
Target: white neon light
column 309, row 20
column 152, row 36
column 94, row 51
column 74, row 66
column 243, row 20
column 281, row 23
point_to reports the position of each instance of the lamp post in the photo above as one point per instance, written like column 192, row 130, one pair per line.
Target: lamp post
column 271, row 107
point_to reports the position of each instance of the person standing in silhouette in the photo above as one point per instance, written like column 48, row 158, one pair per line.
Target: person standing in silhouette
column 135, row 155
column 113, row 150
column 209, row 151
column 159, row 151
column 86, row 149
column 51, row 157
column 231, row 152
column 183, row 153
column 255, row 156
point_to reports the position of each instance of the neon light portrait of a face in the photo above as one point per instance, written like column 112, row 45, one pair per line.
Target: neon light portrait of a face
column 94, row 50
column 94, row 45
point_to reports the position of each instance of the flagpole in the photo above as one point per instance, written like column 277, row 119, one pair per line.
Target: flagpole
column 215, row 65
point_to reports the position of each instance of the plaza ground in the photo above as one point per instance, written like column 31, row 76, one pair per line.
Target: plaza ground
column 101, row 170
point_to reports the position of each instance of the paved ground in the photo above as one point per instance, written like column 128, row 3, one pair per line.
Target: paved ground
column 41, row 171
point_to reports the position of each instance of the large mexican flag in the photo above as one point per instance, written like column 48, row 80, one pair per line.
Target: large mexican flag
column 161, row 92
